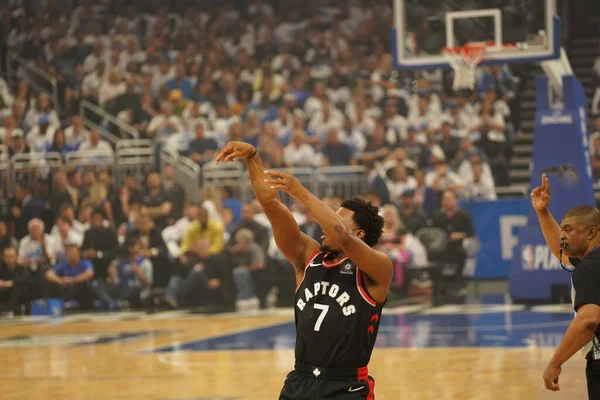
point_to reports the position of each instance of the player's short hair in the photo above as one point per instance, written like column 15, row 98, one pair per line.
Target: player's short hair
column 366, row 216
column 589, row 214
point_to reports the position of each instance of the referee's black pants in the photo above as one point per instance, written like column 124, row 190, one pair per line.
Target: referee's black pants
column 592, row 373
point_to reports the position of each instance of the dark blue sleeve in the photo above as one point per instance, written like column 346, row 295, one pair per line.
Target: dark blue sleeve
column 59, row 269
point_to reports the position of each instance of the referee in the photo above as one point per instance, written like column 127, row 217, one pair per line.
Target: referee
column 579, row 238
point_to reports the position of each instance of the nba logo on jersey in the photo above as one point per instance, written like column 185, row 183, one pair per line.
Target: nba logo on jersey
column 527, row 257
column 347, row 269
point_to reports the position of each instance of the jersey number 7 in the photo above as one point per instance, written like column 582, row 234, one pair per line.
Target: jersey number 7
column 324, row 309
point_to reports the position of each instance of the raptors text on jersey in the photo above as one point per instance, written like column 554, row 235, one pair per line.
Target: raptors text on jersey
column 336, row 318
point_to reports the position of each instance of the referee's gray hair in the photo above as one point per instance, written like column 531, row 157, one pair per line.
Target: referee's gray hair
column 587, row 213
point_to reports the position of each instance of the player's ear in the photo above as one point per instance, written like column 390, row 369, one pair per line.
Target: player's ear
column 360, row 234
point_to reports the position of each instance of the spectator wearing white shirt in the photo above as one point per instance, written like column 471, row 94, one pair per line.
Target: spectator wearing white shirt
column 465, row 169
column 443, row 178
column 97, row 56
column 164, row 124
column 76, row 133
column 488, row 124
column 328, row 118
column 40, row 137
column 300, row 154
column 399, row 182
column 477, row 187
column 112, row 88
column 283, row 124
column 163, row 73
column 42, row 107
column 132, row 54
column 172, row 235
column 37, row 249
column 6, row 97
column 91, row 84
column 96, row 146
column 353, row 138
column 314, row 103
column 397, row 125
column 63, row 234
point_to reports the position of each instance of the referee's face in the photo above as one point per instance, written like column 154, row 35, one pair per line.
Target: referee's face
column 576, row 234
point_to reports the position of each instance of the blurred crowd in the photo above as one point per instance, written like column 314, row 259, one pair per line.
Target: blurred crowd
column 310, row 84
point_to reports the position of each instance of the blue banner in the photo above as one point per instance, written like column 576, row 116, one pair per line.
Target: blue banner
column 560, row 150
column 497, row 226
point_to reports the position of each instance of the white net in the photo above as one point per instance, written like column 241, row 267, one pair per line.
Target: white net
column 464, row 61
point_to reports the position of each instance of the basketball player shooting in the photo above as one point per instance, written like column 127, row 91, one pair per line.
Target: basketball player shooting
column 342, row 284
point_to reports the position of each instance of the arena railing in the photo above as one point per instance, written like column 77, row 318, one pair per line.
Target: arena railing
column 187, row 173
column 30, row 166
column 90, row 158
column 225, row 175
column 36, row 77
column 97, row 118
column 514, row 191
column 133, row 157
column 341, row 181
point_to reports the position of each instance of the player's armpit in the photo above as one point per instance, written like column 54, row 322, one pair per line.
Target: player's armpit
column 293, row 244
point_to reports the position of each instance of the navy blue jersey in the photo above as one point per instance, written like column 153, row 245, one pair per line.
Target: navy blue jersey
column 336, row 318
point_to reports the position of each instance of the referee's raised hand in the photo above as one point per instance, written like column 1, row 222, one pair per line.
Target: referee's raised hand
column 540, row 196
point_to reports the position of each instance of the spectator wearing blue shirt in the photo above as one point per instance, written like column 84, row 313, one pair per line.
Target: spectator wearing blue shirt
column 181, row 82
column 71, row 280
column 129, row 277
column 202, row 149
column 59, row 145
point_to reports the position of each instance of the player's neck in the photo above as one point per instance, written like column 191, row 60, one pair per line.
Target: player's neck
column 591, row 247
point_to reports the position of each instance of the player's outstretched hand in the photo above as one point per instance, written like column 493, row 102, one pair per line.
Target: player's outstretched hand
column 235, row 150
column 540, row 196
column 286, row 182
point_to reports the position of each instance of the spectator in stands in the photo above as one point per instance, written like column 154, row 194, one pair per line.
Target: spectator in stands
column 443, row 178
column 248, row 261
column 142, row 114
column 63, row 234
column 6, row 239
column 75, row 187
column 175, row 193
column 204, row 228
column 71, row 280
column 499, row 78
column 311, row 228
column 98, row 199
column 96, row 146
column 198, row 280
column 377, row 148
column 17, row 144
column 59, row 145
column 129, row 99
column 67, row 212
column 42, row 107
column 7, row 127
column 260, row 233
column 155, row 198
column 449, row 143
column 459, row 226
column 173, row 234
column 111, row 88
column 15, row 283
column 130, row 277
column 335, row 152
column 411, row 215
column 24, row 208
column 300, row 154
column 164, row 124
column 180, row 82
column 202, row 149
column 37, row 249
column 477, row 187
column 40, row 137
column 100, row 243
column 399, row 181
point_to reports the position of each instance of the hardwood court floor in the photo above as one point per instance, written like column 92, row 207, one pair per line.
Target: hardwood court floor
column 428, row 354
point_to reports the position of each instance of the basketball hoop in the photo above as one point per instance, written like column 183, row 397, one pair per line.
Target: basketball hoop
column 464, row 61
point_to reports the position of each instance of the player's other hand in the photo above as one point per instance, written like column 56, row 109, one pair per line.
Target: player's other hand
column 235, row 150
column 540, row 196
column 286, row 182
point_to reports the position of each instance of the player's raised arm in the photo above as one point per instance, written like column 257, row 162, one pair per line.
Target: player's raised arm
column 540, row 200
column 375, row 264
column 294, row 245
